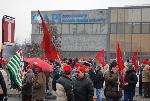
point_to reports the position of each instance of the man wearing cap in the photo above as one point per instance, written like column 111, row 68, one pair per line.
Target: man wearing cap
column 130, row 82
column 64, row 85
column 83, row 86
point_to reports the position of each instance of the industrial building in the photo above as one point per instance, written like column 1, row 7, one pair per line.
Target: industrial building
column 80, row 33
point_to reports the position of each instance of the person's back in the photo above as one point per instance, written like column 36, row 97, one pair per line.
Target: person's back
column 98, row 83
column 39, row 86
column 27, row 86
column 64, row 86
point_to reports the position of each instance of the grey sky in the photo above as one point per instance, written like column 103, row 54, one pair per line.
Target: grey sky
column 21, row 10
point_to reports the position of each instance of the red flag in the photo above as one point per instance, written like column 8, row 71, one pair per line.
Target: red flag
column 136, row 65
column 99, row 57
column 100, row 54
column 51, row 52
column 135, row 60
column 119, row 58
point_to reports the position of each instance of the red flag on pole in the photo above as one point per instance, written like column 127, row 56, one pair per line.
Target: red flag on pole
column 51, row 52
column 119, row 58
column 136, row 64
column 135, row 60
column 99, row 58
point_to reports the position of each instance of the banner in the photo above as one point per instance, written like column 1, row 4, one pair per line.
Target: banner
column 8, row 30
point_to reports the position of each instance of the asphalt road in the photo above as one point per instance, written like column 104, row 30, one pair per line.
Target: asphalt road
column 19, row 99
column 138, row 98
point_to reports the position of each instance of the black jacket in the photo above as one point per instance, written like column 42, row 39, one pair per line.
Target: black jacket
column 68, row 86
column 98, row 80
column 83, row 90
column 3, row 84
column 131, row 79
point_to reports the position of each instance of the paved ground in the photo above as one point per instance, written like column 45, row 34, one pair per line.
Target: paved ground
column 19, row 99
column 16, row 98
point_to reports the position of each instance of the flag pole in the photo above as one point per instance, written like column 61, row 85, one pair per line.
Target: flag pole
column 118, row 81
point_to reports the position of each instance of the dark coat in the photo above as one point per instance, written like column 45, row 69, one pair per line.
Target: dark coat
column 83, row 90
column 39, row 86
column 27, row 84
column 67, row 83
column 111, row 83
column 3, row 85
column 131, row 79
column 98, row 80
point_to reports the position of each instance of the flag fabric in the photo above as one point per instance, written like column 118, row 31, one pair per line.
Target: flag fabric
column 99, row 58
column 15, row 66
column 136, row 64
column 8, row 30
column 119, row 58
column 51, row 52
column 135, row 61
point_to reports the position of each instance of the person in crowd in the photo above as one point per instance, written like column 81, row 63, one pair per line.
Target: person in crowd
column 27, row 85
column 64, row 85
column 140, row 79
column 56, row 75
column 83, row 86
column 146, row 81
column 98, row 81
column 111, row 91
column 3, row 88
column 39, row 85
column 130, row 82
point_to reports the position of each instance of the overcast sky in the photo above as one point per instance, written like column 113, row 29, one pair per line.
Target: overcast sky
column 21, row 10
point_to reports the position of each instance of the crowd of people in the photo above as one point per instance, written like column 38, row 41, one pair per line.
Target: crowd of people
column 81, row 80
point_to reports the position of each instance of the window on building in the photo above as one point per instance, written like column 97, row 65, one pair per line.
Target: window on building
column 113, row 29
column 88, row 28
column 104, row 29
column 120, row 28
column 73, row 28
column 113, row 15
column 65, row 28
column 128, row 28
column 145, row 28
column 145, row 15
column 136, row 28
column 96, row 28
column 120, row 15
column 80, row 28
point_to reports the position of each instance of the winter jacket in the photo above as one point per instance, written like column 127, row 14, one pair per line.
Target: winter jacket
column 39, row 85
column 3, row 89
column 64, row 89
column 27, row 83
column 145, row 74
column 98, row 80
column 83, row 89
column 111, row 83
column 131, row 79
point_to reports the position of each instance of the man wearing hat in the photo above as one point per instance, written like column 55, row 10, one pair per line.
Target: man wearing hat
column 83, row 86
column 64, row 85
column 130, row 82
